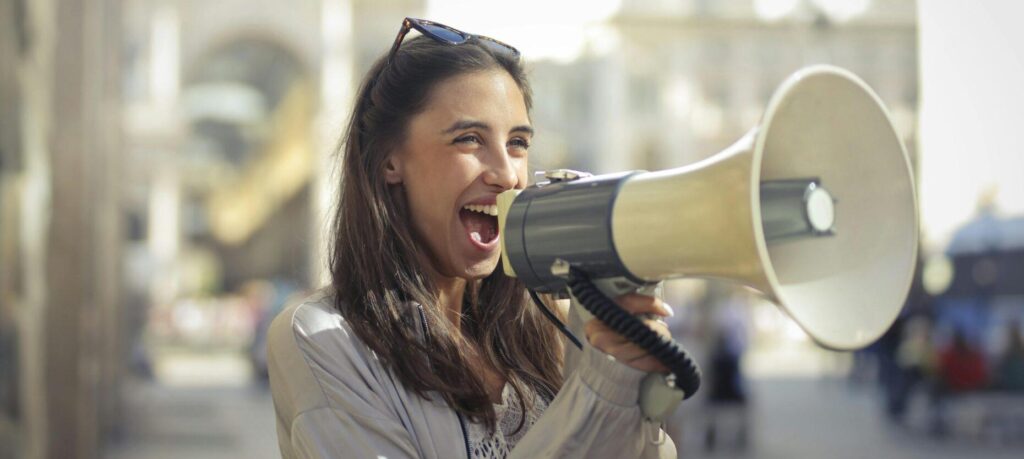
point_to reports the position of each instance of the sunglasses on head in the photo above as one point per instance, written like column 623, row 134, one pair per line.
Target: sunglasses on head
column 445, row 34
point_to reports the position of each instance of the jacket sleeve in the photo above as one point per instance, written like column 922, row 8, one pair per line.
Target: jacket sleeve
column 595, row 414
column 322, row 413
column 331, row 433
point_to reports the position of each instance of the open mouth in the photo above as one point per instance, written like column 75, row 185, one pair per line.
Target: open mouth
column 480, row 222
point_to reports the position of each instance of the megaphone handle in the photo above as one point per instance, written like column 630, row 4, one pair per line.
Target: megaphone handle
column 615, row 287
column 659, row 397
column 659, row 394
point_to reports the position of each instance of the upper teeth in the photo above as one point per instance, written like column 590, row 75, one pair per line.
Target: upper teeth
column 491, row 210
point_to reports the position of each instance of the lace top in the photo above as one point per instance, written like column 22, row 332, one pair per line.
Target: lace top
column 484, row 445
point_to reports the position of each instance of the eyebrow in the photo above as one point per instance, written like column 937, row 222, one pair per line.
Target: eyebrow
column 523, row 128
column 471, row 124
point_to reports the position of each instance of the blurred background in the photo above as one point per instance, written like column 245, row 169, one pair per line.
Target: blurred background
column 166, row 170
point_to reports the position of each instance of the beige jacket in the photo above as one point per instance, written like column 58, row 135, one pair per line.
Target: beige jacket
column 334, row 399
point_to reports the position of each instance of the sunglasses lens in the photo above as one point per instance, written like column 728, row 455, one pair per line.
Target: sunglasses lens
column 445, row 34
column 498, row 47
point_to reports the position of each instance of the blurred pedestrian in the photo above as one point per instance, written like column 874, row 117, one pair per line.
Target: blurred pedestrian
column 916, row 360
column 962, row 367
column 1009, row 371
column 727, row 391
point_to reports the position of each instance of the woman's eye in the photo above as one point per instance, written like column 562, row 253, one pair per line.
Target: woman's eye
column 469, row 139
column 519, row 142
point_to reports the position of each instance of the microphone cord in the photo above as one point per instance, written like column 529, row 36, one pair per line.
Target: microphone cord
column 554, row 320
column 666, row 350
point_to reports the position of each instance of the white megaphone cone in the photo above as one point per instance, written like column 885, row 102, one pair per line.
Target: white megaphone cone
column 709, row 219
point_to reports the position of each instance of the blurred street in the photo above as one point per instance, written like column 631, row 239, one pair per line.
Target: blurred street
column 224, row 416
column 793, row 418
column 202, row 423
column 810, row 418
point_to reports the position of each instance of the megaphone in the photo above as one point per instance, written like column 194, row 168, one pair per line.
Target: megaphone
column 815, row 208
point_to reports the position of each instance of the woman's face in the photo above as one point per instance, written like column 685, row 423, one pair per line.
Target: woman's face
column 469, row 144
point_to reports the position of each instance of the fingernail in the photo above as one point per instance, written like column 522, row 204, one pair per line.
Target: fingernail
column 668, row 309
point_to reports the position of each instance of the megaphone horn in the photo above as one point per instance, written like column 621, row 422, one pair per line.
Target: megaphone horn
column 815, row 208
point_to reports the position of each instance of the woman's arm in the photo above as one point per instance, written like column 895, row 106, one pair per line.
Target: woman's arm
column 330, row 432
column 595, row 414
column 325, row 397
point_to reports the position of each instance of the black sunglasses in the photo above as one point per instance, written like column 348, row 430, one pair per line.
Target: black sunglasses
column 445, row 34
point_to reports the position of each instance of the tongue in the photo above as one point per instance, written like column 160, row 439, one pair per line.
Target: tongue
column 481, row 228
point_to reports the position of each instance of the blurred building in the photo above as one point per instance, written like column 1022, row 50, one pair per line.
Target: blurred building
column 666, row 83
column 60, row 245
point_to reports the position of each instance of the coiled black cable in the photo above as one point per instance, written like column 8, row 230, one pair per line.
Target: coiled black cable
column 667, row 351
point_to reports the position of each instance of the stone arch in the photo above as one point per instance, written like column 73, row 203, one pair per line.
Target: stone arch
column 249, row 104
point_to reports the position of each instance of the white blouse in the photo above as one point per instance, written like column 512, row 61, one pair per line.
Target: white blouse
column 487, row 445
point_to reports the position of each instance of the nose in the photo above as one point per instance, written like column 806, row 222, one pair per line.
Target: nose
column 500, row 170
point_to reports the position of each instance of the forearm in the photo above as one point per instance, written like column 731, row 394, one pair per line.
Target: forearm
column 595, row 415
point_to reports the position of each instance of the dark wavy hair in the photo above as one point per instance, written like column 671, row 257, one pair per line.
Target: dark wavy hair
column 374, row 263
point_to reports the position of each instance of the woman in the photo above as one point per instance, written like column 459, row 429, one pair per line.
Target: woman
column 420, row 347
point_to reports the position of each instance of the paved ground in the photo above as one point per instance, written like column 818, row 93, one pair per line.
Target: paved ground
column 198, row 423
column 792, row 418
column 808, row 418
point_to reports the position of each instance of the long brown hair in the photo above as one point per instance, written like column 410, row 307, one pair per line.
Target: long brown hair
column 374, row 263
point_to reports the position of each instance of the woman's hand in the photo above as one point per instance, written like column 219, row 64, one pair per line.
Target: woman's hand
column 608, row 341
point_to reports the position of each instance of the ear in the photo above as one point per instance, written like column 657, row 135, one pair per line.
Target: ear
column 393, row 170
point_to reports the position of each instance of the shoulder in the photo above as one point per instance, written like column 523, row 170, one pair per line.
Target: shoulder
column 313, row 314
column 307, row 327
column 314, row 358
